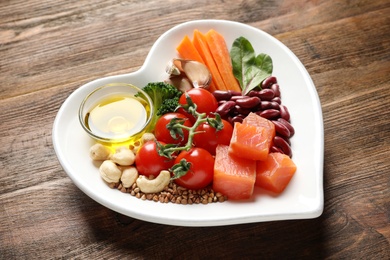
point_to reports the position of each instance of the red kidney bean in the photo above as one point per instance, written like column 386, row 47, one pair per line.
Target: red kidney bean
column 269, row 113
column 279, row 142
column 269, row 104
column 287, row 139
column 248, row 102
column 281, row 129
column 275, row 87
column 253, row 93
column 277, row 100
column 221, row 102
column 225, row 108
column 235, row 93
column 275, row 105
column 266, row 94
column 242, row 110
column 265, row 105
column 288, row 125
column 222, row 95
column 233, row 112
column 275, row 149
column 268, row 82
column 284, row 113
column 235, row 98
column 238, row 119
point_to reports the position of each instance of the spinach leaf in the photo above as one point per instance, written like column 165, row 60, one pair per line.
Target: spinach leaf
column 250, row 70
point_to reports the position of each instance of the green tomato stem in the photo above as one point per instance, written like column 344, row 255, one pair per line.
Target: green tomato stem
column 169, row 149
column 200, row 118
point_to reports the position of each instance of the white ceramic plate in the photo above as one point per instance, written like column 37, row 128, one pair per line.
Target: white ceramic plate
column 302, row 199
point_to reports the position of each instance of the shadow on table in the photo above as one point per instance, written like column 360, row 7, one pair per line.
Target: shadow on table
column 269, row 240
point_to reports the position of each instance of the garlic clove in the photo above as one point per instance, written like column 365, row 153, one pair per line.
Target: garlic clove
column 197, row 73
column 172, row 70
column 181, row 83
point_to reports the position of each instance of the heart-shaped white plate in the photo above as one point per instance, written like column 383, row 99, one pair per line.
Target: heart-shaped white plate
column 302, row 199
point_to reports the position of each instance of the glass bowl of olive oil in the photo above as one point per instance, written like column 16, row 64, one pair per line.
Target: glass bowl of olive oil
column 116, row 113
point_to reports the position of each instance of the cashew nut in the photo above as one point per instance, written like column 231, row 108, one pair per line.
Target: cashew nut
column 123, row 156
column 147, row 137
column 110, row 172
column 129, row 176
column 99, row 152
column 155, row 185
column 144, row 138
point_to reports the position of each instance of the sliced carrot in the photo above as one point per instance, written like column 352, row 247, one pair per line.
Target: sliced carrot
column 249, row 142
column 188, row 51
column 221, row 56
column 275, row 172
column 200, row 44
column 233, row 176
column 256, row 120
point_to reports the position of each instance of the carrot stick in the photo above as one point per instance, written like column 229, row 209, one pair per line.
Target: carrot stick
column 200, row 44
column 188, row 51
column 221, row 56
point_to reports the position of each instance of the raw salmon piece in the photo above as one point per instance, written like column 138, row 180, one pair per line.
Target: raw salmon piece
column 233, row 176
column 249, row 142
column 275, row 173
column 256, row 120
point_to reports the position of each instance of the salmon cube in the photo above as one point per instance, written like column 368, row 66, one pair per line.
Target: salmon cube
column 275, row 173
column 249, row 142
column 233, row 176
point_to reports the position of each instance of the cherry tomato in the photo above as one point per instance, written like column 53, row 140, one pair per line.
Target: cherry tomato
column 149, row 162
column 163, row 134
column 209, row 138
column 204, row 100
column 201, row 171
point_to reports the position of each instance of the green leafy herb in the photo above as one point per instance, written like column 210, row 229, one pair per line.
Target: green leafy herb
column 250, row 70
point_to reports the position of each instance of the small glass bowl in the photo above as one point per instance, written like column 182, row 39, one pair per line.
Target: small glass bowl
column 110, row 91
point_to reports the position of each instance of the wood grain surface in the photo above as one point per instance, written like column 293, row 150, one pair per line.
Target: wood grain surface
column 49, row 48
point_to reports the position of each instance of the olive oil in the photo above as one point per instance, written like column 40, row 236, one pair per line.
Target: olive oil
column 118, row 118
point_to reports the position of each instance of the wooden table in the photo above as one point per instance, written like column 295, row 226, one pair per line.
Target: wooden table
column 49, row 48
